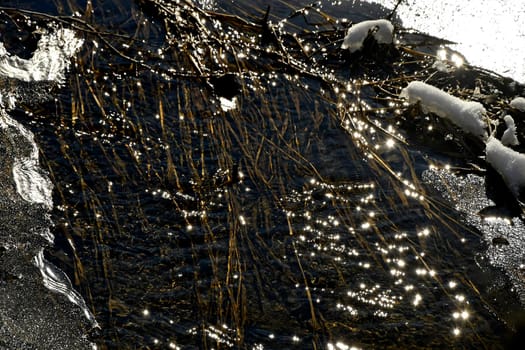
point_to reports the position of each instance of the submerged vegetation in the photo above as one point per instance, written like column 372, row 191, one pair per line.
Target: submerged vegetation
column 230, row 177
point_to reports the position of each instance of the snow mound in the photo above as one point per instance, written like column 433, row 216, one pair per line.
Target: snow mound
column 468, row 115
column 381, row 29
column 518, row 103
column 508, row 163
column 509, row 137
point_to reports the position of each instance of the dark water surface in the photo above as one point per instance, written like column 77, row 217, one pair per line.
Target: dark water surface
column 294, row 215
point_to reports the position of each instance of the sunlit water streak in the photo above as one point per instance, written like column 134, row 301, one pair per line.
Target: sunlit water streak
column 489, row 33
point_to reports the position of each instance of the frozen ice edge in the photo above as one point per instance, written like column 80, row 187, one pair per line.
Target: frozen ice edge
column 49, row 62
column 31, row 182
column 56, row 280
column 469, row 198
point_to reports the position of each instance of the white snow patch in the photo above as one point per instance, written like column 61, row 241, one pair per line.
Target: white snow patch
column 468, row 115
column 518, row 103
column 49, row 61
column 381, row 29
column 508, row 163
column 509, row 137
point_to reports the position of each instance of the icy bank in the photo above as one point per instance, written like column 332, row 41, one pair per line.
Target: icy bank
column 31, row 317
column 381, row 29
column 508, row 163
column 468, row 115
column 49, row 61
column 31, row 182
column 467, row 195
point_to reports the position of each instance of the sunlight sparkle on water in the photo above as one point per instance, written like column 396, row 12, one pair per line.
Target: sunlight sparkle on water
column 340, row 346
column 464, row 315
column 424, row 233
column 365, row 265
column 424, row 272
column 242, row 220
column 460, row 297
column 457, row 60
column 365, row 225
column 442, row 54
column 417, row 300
column 485, row 30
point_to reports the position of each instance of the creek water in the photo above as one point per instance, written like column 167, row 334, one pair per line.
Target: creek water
column 225, row 177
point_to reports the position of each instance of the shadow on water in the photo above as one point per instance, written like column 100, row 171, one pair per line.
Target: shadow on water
column 226, row 179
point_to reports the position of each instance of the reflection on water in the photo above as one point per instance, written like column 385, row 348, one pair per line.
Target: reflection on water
column 250, row 186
